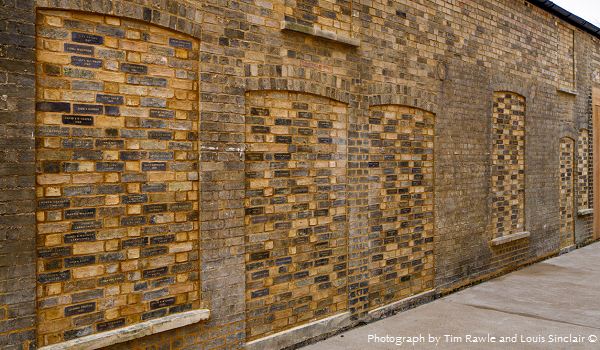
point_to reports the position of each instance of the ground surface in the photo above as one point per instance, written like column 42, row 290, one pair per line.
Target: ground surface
column 555, row 302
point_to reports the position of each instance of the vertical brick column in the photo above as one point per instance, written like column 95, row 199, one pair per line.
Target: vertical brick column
column 17, row 194
column 567, row 237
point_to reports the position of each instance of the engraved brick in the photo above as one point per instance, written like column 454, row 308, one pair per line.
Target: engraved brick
column 80, row 309
column 88, row 62
column 161, row 113
column 134, row 198
column 109, row 99
column 87, row 38
column 134, row 68
column 53, row 277
column 160, row 135
column 110, row 166
column 77, row 237
column 109, row 325
column 154, row 166
column 109, row 144
column 184, row 44
column 77, row 144
column 86, row 225
column 79, row 49
column 160, row 155
column 112, row 279
column 44, row 130
column 154, row 187
column 152, row 273
column 53, row 203
column 133, row 221
column 85, row 213
column 46, row 253
column 154, row 208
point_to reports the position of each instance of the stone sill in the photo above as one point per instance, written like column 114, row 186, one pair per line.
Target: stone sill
column 567, row 90
column 509, row 238
column 324, row 34
column 121, row 335
column 583, row 212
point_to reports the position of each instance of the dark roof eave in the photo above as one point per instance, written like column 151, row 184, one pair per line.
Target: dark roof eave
column 561, row 13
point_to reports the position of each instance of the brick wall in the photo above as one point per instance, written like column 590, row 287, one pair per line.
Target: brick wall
column 437, row 61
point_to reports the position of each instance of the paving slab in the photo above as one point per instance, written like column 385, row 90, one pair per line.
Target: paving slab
column 554, row 304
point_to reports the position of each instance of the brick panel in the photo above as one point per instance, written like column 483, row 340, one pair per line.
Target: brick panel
column 117, row 163
column 567, row 233
column 508, row 172
column 296, row 241
column 401, row 262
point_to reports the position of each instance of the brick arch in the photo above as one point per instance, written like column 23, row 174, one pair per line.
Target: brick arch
column 297, row 85
column 511, row 84
column 568, row 131
column 402, row 95
column 179, row 18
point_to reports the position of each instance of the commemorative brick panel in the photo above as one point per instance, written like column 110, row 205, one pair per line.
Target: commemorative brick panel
column 567, row 195
column 296, row 249
column 402, row 226
column 508, row 172
column 96, row 198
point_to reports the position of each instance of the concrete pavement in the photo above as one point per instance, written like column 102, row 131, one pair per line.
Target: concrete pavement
column 554, row 304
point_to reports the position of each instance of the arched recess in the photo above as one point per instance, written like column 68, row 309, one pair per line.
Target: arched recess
column 402, row 95
column 117, row 175
column 295, row 205
column 583, row 165
column 566, row 193
column 508, row 164
column 401, row 210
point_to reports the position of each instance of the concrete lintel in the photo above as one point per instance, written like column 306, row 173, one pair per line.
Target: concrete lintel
column 509, row 238
column 568, row 91
column 301, row 333
column 583, row 212
column 567, row 249
column 324, row 34
column 402, row 305
column 121, row 335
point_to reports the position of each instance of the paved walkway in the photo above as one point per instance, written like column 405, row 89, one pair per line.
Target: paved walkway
column 555, row 302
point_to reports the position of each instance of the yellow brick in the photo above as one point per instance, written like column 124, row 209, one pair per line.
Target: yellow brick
column 134, row 46
column 116, row 77
column 88, row 248
column 53, row 179
column 88, row 271
column 54, row 58
column 87, row 178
